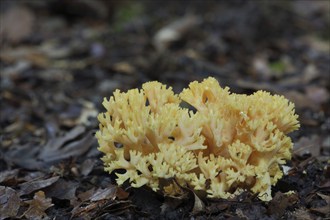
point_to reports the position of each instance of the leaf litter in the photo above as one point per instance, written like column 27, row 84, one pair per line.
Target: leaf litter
column 37, row 206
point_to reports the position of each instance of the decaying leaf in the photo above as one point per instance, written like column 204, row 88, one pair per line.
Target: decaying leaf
column 37, row 206
column 55, row 143
column 9, row 202
column 281, row 202
column 107, row 193
column 308, row 145
column 62, row 189
column 326, row 198
column 86, row 210
column 63, row 147
column 88, row 201
column 121, row 194
column 8, row 175
column 87, row 166
column 85, row 196
column 28, row 187
column 325, row 210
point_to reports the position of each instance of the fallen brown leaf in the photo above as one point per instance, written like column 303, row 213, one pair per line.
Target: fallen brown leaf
column 96, row 197
column 121, row 194
column 9, row 202
column 280, row 203
column 325, row 210
column 29, row 187
column 86, row 210
column 107, row 193
column 8, row 175
column 308, row 145
column 62, row 189
column 37, row 206
column 58, row 148
column 55, row 143
column 324, row 197
column 87, row 166
column 85, row 196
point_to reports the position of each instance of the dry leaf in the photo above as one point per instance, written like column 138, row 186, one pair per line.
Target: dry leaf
column 28, row 187
column 58, row 148
column 55, row 143
column 107, row 193
column 325, row 210
column 62, row 189
column 86, row 167
column 37, row 206
column 121, row 194
column 324, row 197
column 85, row 196
column 281, row 202
column 9, row 202
column 308, row 145
column 8, row 175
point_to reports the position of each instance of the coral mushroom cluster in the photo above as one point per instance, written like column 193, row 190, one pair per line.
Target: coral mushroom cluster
column 230, row 143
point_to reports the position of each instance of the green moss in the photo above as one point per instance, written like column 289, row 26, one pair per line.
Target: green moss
column 126, row 13
column 277, row 66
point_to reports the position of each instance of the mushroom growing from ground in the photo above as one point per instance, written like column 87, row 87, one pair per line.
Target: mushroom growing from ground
column 231, row 143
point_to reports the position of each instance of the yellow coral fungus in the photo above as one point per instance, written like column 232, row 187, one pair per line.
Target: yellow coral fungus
column 231, row 143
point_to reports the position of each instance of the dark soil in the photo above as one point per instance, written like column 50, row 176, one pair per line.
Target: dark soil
column 60, row 58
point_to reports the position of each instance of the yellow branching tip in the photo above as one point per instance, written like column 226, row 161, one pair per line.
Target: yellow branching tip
column 232, row 142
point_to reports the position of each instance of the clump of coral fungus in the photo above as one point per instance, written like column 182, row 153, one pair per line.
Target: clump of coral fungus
column 231, row 143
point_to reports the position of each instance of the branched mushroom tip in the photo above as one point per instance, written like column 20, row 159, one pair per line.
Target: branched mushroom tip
column 231, row 143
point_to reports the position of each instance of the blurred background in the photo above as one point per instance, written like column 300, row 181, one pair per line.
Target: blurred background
column 59, row 58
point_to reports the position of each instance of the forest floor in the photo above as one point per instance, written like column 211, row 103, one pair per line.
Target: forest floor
column 60, row 58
